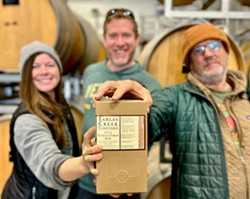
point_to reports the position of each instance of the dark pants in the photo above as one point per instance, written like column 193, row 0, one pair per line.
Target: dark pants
column 82, row 194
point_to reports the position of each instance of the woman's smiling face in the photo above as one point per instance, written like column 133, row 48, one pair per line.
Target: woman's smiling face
column 45, row 74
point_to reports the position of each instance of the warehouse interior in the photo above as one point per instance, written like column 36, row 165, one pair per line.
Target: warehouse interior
column 75, row 28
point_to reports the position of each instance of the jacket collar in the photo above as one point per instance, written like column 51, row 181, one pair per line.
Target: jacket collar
column 236, row 79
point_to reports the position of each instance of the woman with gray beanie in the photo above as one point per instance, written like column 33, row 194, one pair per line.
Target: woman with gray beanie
column 43, row 138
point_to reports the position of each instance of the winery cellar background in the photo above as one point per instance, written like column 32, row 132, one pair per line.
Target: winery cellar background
column 74, row 28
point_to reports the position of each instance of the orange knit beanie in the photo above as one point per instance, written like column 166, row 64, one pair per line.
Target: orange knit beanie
column 199, row 33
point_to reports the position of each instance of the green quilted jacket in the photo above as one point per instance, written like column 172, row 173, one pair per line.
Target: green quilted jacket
column 206, row 163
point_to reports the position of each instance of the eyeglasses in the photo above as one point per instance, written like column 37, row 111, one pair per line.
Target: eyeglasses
column 122, row 11
column 213, row 46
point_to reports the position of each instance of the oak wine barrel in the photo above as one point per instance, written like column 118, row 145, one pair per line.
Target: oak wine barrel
column 159, row 179
column 94, row 49
column 6, row 165
column 49, row 21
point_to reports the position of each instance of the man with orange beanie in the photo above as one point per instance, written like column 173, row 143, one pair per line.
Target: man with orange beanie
column 207, row 119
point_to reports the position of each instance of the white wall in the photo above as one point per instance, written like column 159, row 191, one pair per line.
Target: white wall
column 147, row 13
column 84, row 8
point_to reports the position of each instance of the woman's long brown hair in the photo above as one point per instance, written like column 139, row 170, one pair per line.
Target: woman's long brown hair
column 39, row 103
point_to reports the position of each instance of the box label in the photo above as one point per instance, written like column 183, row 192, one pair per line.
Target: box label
column 121, row 132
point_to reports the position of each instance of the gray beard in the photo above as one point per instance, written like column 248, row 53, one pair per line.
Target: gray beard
column 212, row 79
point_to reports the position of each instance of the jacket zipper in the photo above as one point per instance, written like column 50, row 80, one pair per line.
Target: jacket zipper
column 33, row 192
column 245, row 172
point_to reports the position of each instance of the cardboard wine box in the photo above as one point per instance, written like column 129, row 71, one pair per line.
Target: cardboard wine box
column 121, row 128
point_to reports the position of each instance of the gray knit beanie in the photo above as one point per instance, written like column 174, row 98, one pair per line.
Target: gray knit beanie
column 37, row 47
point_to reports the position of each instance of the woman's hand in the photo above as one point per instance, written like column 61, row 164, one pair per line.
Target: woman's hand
column 90, row 151
column 76, row 167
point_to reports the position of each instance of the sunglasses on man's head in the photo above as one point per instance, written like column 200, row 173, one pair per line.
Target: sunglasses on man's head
column 213, row 46
column 124, row 12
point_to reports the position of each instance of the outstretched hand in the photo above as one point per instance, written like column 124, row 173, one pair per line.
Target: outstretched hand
column 76, row 167
column 90, row 151
column 123, row 89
